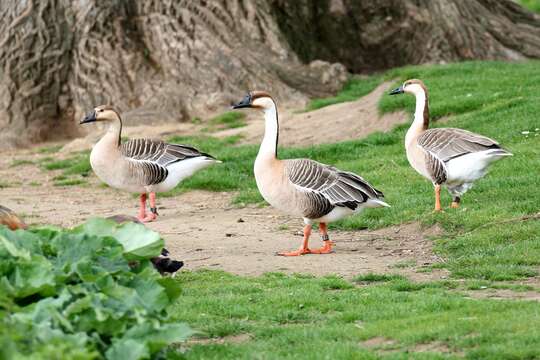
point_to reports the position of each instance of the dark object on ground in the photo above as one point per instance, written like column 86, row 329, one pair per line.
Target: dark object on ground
column 162, row 263
column 10, row 219
column 165, row 265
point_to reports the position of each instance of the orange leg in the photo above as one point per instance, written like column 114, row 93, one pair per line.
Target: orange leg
column 304, row 249
column 142, row 209
column 327, row 247
column 148, row 217
column 438, row 198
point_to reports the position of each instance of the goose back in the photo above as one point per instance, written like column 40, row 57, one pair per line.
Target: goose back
column 148, row 159
column 324, row 187
column 449, row 143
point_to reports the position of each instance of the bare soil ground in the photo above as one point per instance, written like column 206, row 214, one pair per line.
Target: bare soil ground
column 205, row 231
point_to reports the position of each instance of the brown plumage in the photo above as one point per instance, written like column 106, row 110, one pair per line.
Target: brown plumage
column 10, row 219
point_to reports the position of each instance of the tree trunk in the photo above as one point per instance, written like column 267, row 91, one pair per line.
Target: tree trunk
column 175, row 59
column 369, row 36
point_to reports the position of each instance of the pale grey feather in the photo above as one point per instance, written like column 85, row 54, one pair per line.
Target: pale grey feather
column 449, row 143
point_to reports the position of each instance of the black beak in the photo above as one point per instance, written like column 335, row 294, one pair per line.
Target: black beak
column 244, row 103
column 90, row 117
column 396, row 91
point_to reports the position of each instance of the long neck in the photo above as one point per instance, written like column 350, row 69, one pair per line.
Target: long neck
column 271, row 133
column 113, row 135
column 421, row 116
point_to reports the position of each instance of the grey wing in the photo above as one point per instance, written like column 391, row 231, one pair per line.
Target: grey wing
column 448, row 143
column 158, row 152
column 436, row 168
column 337, row 188
column 148, row 158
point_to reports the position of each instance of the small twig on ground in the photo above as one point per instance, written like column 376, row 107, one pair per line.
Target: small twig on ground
column 516, row 219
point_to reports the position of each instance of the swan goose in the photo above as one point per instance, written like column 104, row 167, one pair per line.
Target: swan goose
column 449, row 156
column 141, row 165
column 303, row 187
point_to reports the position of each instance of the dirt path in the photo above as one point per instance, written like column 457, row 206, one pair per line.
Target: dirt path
column 339, row 122
column 202, row 229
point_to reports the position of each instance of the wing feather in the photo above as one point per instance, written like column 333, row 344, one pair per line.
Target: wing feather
column 338, row 188
column 149, row 158
column 449, row 143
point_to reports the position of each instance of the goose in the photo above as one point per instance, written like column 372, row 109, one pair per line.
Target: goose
column 449, row 156
column 143, row 166
column 10, row 219
column 303, row 187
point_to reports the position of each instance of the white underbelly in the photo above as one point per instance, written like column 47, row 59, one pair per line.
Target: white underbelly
column 180, row 170
column 469, row 168
column 338, row 213
column 341, row 212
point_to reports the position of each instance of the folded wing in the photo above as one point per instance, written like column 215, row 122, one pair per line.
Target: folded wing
column 448, row 143
column 149, row 158
column 338, row 188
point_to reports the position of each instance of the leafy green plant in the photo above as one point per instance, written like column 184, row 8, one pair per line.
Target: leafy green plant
column 78, row 293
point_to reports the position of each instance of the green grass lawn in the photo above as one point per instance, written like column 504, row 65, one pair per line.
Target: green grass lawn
column 533, row 5
column 301, row 317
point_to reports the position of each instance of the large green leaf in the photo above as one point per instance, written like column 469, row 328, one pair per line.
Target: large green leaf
column 128, row 349
column 138, row 241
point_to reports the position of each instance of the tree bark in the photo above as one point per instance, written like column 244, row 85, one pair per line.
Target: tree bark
column 369, row 36
column 169, row 60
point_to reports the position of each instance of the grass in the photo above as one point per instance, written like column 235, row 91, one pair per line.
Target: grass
column 533, row 5
column 353, row 89
column 74, row 169
column 77, row 164
column 69, row 182
column 49, row 149
column 301, row 317
column 21, row 162
column 496, row 99
column 227, row 120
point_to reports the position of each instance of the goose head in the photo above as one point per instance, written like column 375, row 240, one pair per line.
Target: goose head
column 103, row 113
column 412, row 86
column 256, row 100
